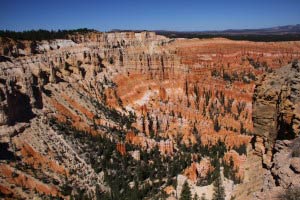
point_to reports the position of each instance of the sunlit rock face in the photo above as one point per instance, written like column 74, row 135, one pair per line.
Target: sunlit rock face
column 276, row 133
column 146, row 95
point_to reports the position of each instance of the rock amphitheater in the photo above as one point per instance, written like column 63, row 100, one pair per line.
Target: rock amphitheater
column 157, row 104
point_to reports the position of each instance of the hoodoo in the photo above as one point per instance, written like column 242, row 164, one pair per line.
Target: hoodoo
column 136, row 115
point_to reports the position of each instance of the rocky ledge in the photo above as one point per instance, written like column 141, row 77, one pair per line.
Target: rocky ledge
column 276, row 118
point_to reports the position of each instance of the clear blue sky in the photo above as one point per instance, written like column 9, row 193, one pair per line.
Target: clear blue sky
column 105, row 15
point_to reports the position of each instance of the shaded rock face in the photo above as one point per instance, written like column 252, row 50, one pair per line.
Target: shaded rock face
column 5, row 154
column 16, row 106
column 276, row 118
column 19, row 108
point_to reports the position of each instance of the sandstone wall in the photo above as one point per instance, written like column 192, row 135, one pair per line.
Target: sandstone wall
column 276, row 134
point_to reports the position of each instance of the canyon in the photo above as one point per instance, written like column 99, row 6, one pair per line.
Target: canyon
column 135, row 115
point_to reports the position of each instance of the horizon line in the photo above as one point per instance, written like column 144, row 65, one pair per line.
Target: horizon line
column 151, row 30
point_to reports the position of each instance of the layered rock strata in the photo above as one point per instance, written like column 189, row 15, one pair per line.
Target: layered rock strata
column 158, row 91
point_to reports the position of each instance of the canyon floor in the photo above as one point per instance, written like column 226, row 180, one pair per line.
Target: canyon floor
column 129, row 115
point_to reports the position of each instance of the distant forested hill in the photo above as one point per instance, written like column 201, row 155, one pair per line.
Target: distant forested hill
column 249, row 37
column 42, row 34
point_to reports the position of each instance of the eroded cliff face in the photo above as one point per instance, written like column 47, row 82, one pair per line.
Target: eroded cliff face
column 71, row 112
column 276, row 133
column 276, row 105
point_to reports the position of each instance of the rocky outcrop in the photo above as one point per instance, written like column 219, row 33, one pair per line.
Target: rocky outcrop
column 3, row 107
column 18, row 96
column 276, row 107
column 276, row 99
column 276, row 134
column 198, row 170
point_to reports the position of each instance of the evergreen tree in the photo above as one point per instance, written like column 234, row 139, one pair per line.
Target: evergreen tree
column 196, row 197
column 217, row 126
column 186, row 192
column 219, row 192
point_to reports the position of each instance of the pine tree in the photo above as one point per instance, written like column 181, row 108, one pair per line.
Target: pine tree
column 217, row 126
column 196, row 197
column 219, row 192
column 185, row 192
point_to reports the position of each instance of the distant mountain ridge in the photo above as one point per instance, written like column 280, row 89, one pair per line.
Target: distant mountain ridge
column 273, row 34
column 287, row 29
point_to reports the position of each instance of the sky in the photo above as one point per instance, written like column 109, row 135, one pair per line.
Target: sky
column 179, row 15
